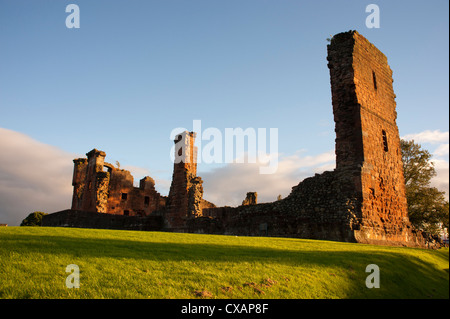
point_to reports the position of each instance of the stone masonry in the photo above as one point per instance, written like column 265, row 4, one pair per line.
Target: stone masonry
column 186, row 191
column 367, row 137
column 362, row 200
column 250, row 199
column 102, row 188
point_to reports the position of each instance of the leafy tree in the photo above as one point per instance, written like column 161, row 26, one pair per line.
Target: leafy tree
column 34, row 219
column 428, row 209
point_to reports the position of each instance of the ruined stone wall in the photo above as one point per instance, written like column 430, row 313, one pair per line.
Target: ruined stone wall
column 82, row 219
column 205, row 205
column 318, row 208
column 323, row 207
column 367, row 137
column 79, row 182
column 385, row 210
column 250, row 199
column 101, row 191
column 363, row 199
column 195, row 196
column 88, row 170
column 100, row 187
column 186, row 191
column 125, row 199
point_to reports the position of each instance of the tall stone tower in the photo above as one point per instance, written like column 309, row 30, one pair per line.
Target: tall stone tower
column 367, row 136
column 186, row 190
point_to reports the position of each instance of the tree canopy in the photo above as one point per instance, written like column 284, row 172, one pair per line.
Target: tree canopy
column 33, row 219
column 428, row 209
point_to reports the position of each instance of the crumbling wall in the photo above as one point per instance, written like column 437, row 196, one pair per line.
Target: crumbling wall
column 79, row 182
column 102, row 188
column 364, row 198
column 195, row 196
column 85, row 181
column 250, row 199
column 82, row 219
column 125, row 199
column 367, row 136
column 185, row 198
column 317, row 208
column 323, row 207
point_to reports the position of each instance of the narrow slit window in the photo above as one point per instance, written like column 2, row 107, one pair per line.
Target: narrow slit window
column 124, row 196
column 374, row 80
column 385, row 142
column 146, row 200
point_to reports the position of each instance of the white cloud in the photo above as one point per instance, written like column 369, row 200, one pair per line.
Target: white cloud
column 440, row 155
column 228, row 185
column 442, row 150
column 441, row 180
column 33, row 177
column 162, row 186
column 428, row 136
column 136, row 171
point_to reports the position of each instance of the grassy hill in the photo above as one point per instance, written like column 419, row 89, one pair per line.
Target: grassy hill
column 132, row 264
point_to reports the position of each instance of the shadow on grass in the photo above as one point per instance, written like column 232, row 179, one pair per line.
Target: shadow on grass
column 408, row 276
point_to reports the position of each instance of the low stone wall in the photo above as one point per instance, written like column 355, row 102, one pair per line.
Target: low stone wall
column 82, row 219
column 320, row 207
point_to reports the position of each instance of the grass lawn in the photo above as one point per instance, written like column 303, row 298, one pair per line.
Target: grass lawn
column 133, row 264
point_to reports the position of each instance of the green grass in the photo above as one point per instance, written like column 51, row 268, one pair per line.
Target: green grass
column 133, row 264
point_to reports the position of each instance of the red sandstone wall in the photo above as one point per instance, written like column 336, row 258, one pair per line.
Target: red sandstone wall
column 186, row 191
column 367, row 137
column 125, row 199
column 384, row 206
column 78, row 182
column 112, row 191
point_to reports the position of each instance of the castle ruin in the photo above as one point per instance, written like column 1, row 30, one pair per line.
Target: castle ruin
column 362, row 200
column 101, row 188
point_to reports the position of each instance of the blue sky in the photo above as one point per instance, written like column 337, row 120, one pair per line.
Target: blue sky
column 135, row 70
